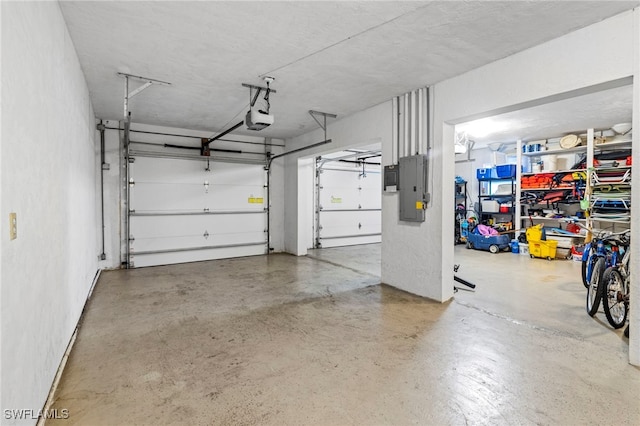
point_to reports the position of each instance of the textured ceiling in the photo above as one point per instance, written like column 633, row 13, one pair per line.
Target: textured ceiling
column 336, row 57
column 598, row 110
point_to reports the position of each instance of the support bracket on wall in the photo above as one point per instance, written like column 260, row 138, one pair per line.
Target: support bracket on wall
column 323, row 124
column 128, row 95
column 258, row 89
column 324, row 115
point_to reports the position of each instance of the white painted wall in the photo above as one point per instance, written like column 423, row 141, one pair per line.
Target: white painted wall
column 364, row 128
column 467, row 171
column 115, row 177
column 634, row 315
column 48, row 179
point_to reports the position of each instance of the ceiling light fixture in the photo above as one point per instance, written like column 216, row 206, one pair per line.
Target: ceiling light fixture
column 482, row 127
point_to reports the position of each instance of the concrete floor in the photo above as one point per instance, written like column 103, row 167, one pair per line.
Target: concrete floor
column 286, row 340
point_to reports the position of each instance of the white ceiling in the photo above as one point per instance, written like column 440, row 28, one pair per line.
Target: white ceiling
column 598, row 110
column 337, row 57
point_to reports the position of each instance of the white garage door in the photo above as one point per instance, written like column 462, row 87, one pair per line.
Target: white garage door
column 180, row 212
column 348, row 204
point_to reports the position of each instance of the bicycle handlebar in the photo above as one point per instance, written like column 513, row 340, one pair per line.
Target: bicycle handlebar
column 601, row 234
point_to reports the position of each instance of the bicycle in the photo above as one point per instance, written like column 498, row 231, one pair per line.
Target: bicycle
column 606, row 255
column 615, row 298
column 591, row 248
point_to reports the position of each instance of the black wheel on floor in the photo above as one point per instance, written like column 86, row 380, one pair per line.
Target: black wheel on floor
column 469, row 245
column 548, row 257
column 614, row 297
column 594, row 291
column 531, row 256
column 494, row 248
column 585, row 266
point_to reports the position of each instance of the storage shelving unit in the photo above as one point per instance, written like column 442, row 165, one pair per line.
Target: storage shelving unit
column 606, row 208
column 489, row 217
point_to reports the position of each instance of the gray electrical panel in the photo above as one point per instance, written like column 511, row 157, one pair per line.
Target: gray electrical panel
column 413, row 188
column 391, row 178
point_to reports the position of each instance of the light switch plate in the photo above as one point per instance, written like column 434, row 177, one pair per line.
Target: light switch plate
column 13, row 226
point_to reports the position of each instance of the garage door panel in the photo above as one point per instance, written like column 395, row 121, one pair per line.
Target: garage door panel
column 349, row 198
column 159, row 243
column 370, row 198
column 341, row 242
column 196, row 256
column 161, row 186
column 171, row 226
column 145, row 169
column 232, row 174
column 349, row 223
column 167, row 197
column 350, row 206
column 238, row 197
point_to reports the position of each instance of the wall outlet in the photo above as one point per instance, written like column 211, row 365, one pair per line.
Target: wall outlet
column 13, row 226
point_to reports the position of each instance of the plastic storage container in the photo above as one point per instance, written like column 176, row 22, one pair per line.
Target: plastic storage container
column 543, row 249
column 490, row 206
column 515, row 248
column 535, row 233
column 486, row 173
column 506, row 171
column 524, row 249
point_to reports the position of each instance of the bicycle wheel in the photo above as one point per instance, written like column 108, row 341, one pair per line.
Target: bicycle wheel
column 594, row 291
column 587, row 265
column 614, row 297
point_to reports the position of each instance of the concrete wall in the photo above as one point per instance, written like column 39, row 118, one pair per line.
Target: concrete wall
column 115, row 177
column 48, row 179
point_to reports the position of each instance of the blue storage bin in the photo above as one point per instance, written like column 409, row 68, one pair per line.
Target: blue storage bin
column 487, row 173
column 506, row 170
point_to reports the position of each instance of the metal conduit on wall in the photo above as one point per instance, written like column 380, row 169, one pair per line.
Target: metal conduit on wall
column 411, row 127
column 411, row 123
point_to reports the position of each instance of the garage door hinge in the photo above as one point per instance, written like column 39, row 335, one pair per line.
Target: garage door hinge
column 132, row 160
column 359, row 206
column 320, row 227
column 132, row 211
column 206, row 186
column 319, row 207
column 359, row 188
column 359, row 226
column 206, row 209
column 132, row 182
column 131, row 238
column 206, row 234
